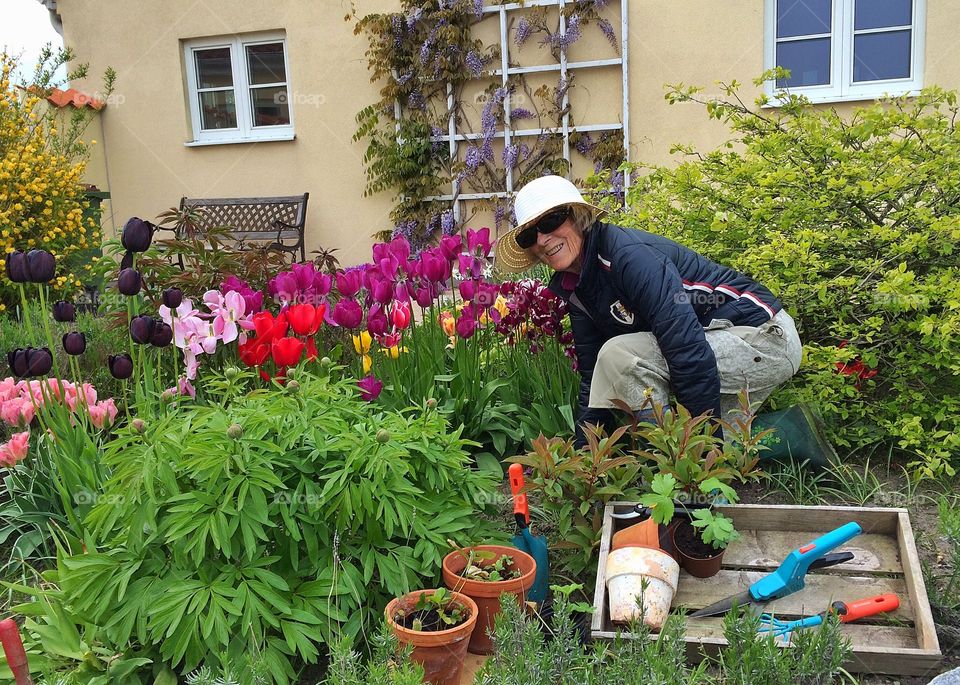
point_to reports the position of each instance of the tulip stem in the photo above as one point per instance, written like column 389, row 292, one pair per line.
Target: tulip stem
column 26, row 311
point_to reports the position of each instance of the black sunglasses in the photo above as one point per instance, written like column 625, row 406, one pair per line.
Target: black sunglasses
column 548, row 223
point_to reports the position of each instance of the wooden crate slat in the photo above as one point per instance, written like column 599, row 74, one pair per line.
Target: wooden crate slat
column 820, row 590
column 926, row 629
column 786, row 517
column 766, row 549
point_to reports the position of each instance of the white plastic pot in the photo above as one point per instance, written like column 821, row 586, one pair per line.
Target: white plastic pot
column 627, row 568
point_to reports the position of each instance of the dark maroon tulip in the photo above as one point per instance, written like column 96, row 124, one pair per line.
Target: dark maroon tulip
column 137, row 235
column 142, row 328
column 74, row 343
column 121, row 366
column 17, row 359
column 172, row 297
column 129, row 282
column 17, row 267
column 127, row 261
column 64, row 311
column 39, row 361
column 41, row 266
column 162, row 334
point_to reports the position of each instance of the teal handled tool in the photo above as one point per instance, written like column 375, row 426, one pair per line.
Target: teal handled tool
column 790, row 576
column 526, row 541
column 847, row 611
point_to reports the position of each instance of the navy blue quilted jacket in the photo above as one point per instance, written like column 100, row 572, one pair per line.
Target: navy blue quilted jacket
column 632, row 281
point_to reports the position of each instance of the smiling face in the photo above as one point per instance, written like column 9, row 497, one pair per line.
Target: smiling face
column 560, row 249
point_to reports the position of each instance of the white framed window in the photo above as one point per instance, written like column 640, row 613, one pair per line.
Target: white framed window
column 846, row 49
column 238, row 89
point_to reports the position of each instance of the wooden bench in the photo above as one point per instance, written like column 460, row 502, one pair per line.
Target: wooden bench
column 279, row 220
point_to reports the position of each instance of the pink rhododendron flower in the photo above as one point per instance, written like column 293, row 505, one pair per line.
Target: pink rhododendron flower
column 15, row 450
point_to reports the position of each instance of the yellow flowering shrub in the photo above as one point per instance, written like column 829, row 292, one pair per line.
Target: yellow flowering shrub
column 41, row 167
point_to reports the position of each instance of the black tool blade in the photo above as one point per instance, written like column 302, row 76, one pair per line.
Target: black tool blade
column 725, row 605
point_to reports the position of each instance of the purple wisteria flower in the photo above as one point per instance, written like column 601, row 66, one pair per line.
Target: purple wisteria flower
column 498, row 215
column 474, row 63
column 523, row 31
column 608, row 31
column 414, row 17
column 446, row 222
column 478, row 7
column 473, row 158
column 585, row 144
column 415, row 100
column 509, row 156
column 521, row 113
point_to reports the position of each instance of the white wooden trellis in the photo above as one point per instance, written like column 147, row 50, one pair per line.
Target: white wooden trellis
column 505, row 71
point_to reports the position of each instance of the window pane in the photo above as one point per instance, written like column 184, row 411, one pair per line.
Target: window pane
column 875, row 14
column 213, row 68
column 803, row 17
column 807, row 60
column 879, row 56
column 218, row 109
column 265, row 63
column 270, row 106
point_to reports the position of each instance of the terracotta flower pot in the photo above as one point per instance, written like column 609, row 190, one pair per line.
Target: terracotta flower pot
column 487, row 594
column 440, row 652
column 697, row 566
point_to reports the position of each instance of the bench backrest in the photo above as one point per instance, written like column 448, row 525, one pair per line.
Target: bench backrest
column 253, row 218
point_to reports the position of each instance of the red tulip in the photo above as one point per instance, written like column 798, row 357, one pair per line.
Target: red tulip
column 287, row 351
column 305, row 319
column 400, row 314
column 269, row 328
column 253, row 352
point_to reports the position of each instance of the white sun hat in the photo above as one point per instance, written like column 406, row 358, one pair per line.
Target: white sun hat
column 532, row 201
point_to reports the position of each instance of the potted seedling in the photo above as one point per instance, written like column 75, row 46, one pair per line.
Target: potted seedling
column 688, row 466
column 437, row 624
column 702, row 540
column 484, row 573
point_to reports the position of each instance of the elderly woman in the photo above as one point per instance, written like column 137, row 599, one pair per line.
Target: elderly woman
column 649, row 316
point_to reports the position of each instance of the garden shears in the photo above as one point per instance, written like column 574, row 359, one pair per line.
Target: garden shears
column 791, row 574
column 847, row 611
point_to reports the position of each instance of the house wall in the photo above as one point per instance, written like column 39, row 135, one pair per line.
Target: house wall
column 145, row 128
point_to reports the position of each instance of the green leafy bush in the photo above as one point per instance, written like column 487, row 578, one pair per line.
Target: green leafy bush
column 852, row 221
column 271, row 524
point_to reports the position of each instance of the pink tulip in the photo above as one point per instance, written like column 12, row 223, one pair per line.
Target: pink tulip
column 370, row 388
column 15, row 450
column 348, row 313
column 103, row 413
column 450, row 246
column 478, row 242
column 349, row 282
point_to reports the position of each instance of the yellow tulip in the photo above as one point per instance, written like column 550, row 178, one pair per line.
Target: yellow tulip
column 367, row 363
column 394, row 352
column 361, row 343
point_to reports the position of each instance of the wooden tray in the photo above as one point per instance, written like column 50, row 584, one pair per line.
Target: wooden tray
column 903, row 642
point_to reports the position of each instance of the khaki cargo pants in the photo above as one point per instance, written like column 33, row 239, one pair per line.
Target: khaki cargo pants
column 632, row 368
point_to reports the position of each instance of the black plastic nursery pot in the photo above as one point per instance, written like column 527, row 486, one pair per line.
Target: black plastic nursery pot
column 690, row 551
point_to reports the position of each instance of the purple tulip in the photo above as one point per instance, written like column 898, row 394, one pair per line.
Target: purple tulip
column 434, row 266
column 127, row 261
column 400, row 248
column 39, row 361
column 450, row 246
column 41, row 266
column 349, row 282
column 370, row 388
column 478, row 242
column 64, row 311
column 17, row 359
column 162, row 334
column 348, row 313
column 377, row 320
column 467, row 322
column 137, row 235
column 142, row 328
column 423, row 296
column 468, row 290
column 381, row 288
column 74, row 343
column 121, row 366
column 16, row 263
column 129, row 282
column 172, row 298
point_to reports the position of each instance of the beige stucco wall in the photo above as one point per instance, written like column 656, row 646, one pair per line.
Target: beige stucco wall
column 144, row 130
